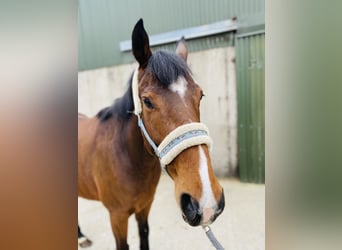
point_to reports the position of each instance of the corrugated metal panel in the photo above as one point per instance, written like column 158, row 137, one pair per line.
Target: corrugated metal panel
column 103, row 24
column 190, row 33
column 251, row 107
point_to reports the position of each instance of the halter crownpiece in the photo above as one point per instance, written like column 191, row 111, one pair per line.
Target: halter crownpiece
column 181, row 138
column 135, row 93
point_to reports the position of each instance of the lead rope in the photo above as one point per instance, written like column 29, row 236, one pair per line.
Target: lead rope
column 212, row 238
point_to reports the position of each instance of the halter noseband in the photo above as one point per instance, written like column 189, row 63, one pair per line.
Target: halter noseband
column 181, row 138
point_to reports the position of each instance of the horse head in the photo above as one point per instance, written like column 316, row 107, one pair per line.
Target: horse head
column 167, row 103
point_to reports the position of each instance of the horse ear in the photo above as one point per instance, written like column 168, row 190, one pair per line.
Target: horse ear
column 182, row 49
column 141, row 44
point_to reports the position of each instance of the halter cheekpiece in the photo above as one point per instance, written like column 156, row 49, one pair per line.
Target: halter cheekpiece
column 181, row 138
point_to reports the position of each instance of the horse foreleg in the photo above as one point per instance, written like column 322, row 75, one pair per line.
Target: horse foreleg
column 142, row 219
column 119, row 222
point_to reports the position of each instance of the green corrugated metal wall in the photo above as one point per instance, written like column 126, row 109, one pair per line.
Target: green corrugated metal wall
column 251, row 107
column 103, row 24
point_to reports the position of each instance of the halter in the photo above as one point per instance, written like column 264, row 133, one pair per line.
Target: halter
column 181, row 138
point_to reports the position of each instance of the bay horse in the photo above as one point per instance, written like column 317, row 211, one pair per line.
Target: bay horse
column 155, row 124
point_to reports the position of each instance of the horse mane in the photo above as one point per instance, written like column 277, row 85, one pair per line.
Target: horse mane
column 121, row 107
column 165, row 66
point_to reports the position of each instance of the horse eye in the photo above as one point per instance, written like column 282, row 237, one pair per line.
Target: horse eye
column 148, row 103
column 202, row 95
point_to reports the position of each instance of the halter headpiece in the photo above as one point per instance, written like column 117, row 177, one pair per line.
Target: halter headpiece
column 181, row 138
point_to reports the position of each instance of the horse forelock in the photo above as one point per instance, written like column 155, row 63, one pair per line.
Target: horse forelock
column 167, row 67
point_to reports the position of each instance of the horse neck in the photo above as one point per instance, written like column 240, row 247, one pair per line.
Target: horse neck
column 136, row 145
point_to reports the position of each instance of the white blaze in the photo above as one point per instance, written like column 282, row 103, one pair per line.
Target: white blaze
column 207, row 202
column 179, row 86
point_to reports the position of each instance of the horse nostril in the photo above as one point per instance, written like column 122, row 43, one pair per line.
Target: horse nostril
column 188, row 203
column 221, row 204
column 190, row 209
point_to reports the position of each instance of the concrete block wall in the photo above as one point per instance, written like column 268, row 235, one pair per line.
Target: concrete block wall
column 213, row 70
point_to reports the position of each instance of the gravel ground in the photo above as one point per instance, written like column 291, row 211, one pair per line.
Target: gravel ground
column 241, row 226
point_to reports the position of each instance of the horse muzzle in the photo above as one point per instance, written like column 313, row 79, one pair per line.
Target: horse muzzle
column 195, row 216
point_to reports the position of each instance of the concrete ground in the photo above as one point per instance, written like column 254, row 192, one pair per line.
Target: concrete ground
column 241, row 226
